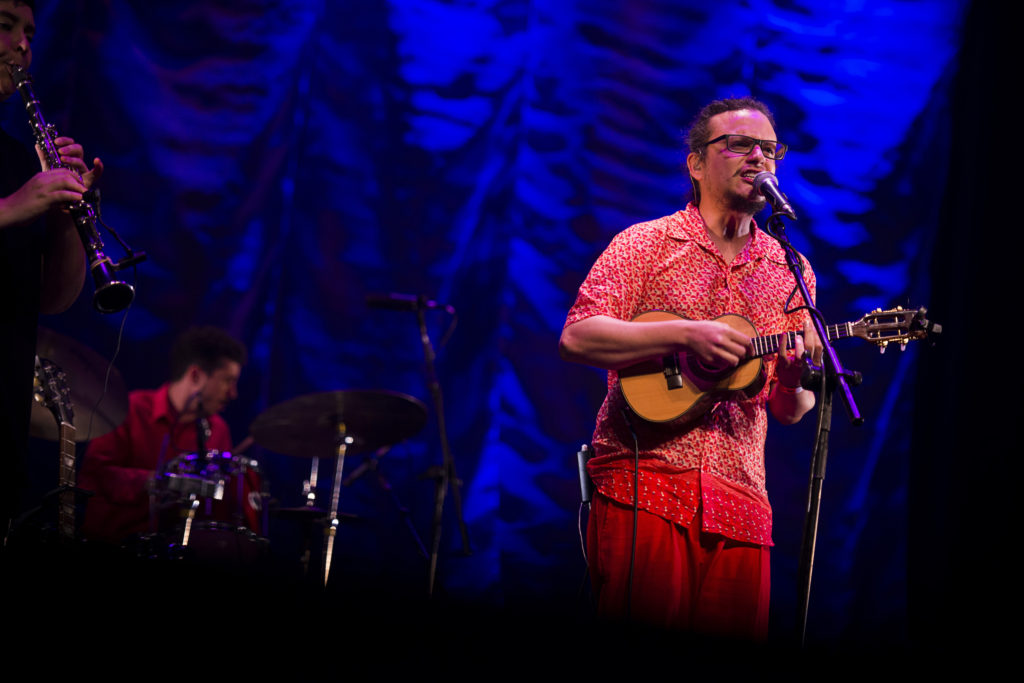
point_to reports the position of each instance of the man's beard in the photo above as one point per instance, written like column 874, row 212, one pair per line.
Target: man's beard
column 745, row 203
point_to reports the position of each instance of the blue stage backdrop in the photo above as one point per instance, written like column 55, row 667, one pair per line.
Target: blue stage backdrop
column 278, row 160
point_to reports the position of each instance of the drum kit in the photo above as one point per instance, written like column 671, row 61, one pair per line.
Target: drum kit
column 208, row 491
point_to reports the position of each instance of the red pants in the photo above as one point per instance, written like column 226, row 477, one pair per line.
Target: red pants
column 683, row 578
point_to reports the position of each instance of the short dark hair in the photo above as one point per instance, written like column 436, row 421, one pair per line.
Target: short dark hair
column 208, row 347
column 700, row 130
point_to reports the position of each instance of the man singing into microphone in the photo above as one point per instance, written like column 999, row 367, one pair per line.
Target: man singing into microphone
column 704, row 521
column 161, row 424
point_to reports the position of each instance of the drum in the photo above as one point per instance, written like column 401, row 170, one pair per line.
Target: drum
column 225, row 545
column 216, row 501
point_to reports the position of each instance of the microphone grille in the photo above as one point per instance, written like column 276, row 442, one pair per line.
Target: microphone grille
column 764, row 177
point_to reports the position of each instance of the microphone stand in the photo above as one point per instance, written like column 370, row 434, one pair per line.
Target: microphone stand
column 444, row 475
column 829, row 377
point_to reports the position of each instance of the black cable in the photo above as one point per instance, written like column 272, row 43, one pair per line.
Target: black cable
column 581, row 591
column 780, row 236
column 117, row 350
column 636, row 512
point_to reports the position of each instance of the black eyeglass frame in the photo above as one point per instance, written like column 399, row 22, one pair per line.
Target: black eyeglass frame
column 776, row 155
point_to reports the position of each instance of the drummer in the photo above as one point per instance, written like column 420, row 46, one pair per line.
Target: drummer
column 161, row 425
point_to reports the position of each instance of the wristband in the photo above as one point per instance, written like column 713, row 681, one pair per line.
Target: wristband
column 789, row 390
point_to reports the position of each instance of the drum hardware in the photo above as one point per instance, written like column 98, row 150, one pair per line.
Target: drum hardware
column 309, row 485
column 343, row 423
column 344, row 441
column 190, row 481
column 193, row 500
column 315, row 513
column 308, row 517
column 190, row 485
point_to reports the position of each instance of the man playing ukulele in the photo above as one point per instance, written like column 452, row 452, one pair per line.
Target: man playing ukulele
column 704, row 521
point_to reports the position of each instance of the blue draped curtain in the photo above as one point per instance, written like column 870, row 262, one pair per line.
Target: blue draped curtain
column 280, row 160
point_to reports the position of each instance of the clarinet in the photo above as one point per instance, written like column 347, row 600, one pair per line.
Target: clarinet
column 111, row 294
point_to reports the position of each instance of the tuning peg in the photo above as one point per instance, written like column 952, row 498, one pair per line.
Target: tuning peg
column 881, row 346
column 903, row 346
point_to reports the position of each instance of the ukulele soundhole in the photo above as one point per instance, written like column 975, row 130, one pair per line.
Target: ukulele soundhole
column 708, row 374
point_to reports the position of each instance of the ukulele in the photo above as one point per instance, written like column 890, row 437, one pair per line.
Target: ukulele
column 681, row 387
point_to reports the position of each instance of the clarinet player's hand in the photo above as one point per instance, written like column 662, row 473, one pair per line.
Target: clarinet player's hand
column 44, row 191
column 73, row 156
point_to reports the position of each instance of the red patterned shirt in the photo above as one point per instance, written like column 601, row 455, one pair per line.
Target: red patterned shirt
column 671, row 264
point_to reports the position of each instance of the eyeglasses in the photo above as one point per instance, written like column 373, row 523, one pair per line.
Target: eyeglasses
column 744, row 144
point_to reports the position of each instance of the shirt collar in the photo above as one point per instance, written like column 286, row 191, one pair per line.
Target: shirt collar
column 163, row 411
column 688, row 225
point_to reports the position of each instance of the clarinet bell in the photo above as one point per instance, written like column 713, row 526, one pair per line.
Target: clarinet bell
column 111, row 295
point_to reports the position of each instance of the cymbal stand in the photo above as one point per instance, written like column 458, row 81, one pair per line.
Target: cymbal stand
column 309, row 494
column 309, row 485
column 343, row 442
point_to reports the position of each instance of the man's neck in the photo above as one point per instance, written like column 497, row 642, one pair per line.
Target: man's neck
column 183, row 399
column 728, row 229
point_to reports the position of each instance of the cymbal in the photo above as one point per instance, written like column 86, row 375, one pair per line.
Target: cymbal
column 85, row 371
column 307, row 426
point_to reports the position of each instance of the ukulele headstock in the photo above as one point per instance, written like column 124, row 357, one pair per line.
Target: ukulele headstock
column 894, row 326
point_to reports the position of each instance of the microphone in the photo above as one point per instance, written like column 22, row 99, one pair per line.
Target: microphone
column 767, row 184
